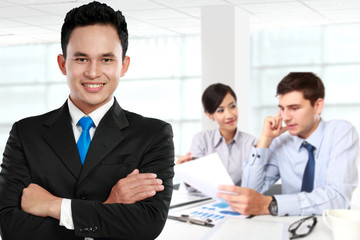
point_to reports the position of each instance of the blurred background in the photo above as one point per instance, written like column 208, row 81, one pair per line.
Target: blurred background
column 165, row 76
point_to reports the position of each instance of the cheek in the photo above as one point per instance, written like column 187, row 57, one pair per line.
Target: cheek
column 236, row 113
column 112, row 71
column 218, row 119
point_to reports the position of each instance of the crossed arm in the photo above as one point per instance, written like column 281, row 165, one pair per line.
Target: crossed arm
column 30, row 211
column 135, row 187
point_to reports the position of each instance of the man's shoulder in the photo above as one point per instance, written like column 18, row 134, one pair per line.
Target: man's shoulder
column 37, row 119
column 338, row 127
column 146, row 124
column 140, row 119
column 338, row 123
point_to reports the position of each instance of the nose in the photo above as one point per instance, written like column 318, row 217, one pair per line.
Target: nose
column 228, row 113
column 93, row 70
column 285, row 115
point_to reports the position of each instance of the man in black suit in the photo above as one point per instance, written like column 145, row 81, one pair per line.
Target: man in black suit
column 123, row 188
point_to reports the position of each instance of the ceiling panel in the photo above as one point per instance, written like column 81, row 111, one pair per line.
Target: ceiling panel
column 332, row 5
column 24, row 21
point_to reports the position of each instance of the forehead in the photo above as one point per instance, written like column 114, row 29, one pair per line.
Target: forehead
column 94, row 38
column 227, row 99
column 292, row 98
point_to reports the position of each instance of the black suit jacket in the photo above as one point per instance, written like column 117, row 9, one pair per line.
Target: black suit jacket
column 42, row 150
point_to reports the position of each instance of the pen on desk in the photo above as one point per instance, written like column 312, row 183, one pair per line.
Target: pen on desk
column 187, row 219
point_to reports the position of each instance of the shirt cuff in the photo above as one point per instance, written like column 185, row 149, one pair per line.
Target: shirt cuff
column 258, row 156
column 66, row 219
column 288, row 205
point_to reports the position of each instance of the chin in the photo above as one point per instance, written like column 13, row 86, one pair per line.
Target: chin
column 293, row 133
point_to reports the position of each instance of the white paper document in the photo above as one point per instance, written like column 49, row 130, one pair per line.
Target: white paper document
column 205, row 174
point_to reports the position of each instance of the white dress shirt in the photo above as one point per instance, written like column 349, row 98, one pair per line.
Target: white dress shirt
column 336, row 145
column 76, row 114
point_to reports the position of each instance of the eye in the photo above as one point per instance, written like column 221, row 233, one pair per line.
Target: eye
column 81, row 60
column 219, row 110
column 107, row 60
column 233, row 105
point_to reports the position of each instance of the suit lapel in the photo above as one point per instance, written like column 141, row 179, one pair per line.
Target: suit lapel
column 60, row 138
column 107, row 136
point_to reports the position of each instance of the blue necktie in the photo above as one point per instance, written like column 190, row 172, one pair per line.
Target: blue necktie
column 84, row 141
column 308, row 178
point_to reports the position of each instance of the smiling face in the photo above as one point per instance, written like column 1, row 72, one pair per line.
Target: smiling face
column 298, row 114
column 226, row 115
column 93, row 65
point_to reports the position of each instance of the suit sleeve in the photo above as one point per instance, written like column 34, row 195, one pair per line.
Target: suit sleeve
column 14, row 177
column 141, row 220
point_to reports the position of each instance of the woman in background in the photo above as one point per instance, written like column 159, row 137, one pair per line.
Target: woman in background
column 232, row 145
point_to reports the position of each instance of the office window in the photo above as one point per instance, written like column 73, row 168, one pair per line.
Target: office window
column 163, row 82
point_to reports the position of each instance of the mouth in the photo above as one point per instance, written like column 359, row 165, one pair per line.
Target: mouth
column 93, row 87
column 232, row 122
column 291, row 126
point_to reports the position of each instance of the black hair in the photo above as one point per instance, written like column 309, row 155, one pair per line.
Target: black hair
column 91, row 14
column 214, row 95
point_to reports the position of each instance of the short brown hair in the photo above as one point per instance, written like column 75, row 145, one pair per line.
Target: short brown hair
column 306, row 82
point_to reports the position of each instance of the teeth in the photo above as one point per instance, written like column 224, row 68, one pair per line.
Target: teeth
column 93, row 85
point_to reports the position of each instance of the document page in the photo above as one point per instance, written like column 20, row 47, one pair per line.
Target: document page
column 205, row 174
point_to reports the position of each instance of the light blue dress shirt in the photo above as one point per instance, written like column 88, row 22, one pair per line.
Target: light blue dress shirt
column 336, row 145
column 233, row 155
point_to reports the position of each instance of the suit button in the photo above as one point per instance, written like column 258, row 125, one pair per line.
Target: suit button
column 83, row 196
column 95, row 229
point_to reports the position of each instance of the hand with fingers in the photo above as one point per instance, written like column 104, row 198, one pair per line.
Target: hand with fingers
column 272, row 128
column 135, row 187
column 245, row 200
column 185, row 158
column 37, row 201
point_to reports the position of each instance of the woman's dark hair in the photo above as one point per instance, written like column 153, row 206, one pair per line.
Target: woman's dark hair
column 91, row 14
column 214, row 95
column 306, row 82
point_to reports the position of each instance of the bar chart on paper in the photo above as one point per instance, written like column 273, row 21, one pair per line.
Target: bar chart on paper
column 215, row 211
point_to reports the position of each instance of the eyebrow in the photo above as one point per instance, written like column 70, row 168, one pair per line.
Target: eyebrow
column 227, row 105
column 289, row 106
column 81, row 54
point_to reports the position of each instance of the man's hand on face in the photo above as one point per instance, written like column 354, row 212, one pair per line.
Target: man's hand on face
column 272, row 128
column 135, row 187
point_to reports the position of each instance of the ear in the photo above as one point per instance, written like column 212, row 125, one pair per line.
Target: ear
column 319, row 105
column 125, row 66
column 61, row 63
column 210, row 116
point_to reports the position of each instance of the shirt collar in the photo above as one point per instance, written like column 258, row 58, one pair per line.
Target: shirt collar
column 218, row 138
column 315, row 138
column 76, row 114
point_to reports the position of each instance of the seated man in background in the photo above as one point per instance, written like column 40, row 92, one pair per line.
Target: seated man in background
column 316, row 159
